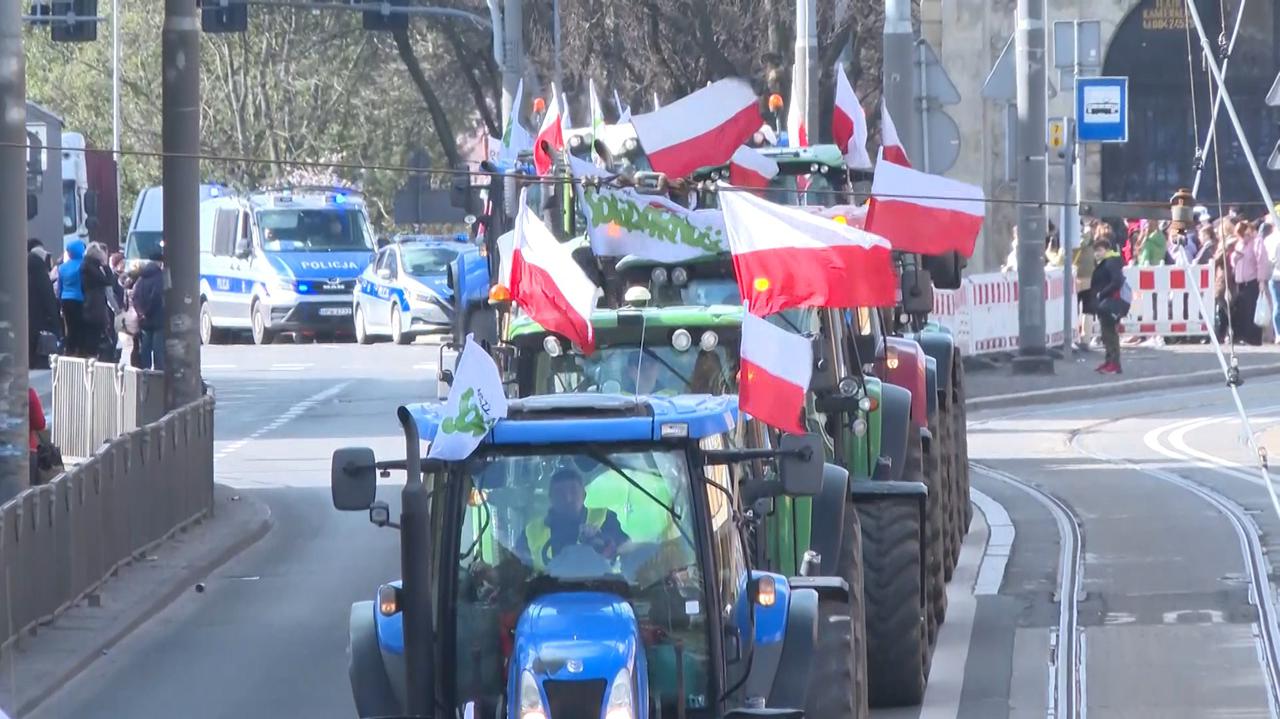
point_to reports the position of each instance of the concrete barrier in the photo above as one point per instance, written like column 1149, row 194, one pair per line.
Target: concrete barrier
column 983, row 313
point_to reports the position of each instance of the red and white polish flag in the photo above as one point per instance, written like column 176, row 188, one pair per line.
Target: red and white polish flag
column 786, row 257
column 750, row 168
column 923, row 213
column 776, row 367
column 699, row 130
column 550, row 136
column 849, row 124
column 548, row 284
column 890, row 144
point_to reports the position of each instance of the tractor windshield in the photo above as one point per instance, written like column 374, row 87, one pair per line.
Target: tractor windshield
column 621, row 522
column 653, row 370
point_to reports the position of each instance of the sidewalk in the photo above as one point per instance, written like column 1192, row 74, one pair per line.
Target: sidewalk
column 992, row 383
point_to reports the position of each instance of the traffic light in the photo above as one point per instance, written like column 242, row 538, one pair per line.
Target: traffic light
column 382, row 18
column 220, row 16
column 74, row 20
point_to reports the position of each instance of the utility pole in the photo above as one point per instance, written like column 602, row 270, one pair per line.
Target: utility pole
column 180, row 141
column 555, row 39
column 1029, row 44
column 512, row 53
column 14, row 421
column 115, row 98
column 807, row 65
column 899, row 69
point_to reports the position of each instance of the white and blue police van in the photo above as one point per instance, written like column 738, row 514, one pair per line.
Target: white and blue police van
column 281, row 261
column 146, row 224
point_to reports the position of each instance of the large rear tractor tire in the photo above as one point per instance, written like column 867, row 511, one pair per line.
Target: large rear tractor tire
column 897, row 641
column 923, row 467
column 838, row 681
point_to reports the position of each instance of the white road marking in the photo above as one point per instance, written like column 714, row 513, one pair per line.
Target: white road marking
column 284, row 418
column 995, row 558
column 289, row 367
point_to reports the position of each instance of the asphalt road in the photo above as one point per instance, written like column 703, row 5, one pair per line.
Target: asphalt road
column 1172, row 618
column 268, row 636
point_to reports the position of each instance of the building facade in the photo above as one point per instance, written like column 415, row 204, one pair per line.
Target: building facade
column 1170, row 101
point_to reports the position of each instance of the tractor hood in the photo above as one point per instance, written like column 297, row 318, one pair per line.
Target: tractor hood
column 576, row 636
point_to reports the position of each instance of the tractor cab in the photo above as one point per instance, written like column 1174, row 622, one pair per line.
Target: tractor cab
column 586, row 560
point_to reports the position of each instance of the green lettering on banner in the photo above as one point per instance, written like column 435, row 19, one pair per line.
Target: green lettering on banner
column 633, row 214
column 470, row 419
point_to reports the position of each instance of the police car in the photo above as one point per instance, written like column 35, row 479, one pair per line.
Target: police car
column 282, row 261
column 409, row 287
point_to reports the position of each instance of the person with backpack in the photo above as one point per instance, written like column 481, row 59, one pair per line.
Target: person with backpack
column 1112, row 297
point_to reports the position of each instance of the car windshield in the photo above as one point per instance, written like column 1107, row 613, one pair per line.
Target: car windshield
column 143, row 244
column 427, row 261
column 619, row 521
column 655, row 370
column 313, row 230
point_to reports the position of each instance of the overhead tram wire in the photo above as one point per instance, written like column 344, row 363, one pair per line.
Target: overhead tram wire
column 561, row 180
column 1231, row 370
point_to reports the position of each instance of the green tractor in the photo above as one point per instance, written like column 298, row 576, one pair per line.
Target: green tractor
column 866, row 429
column 589, row 559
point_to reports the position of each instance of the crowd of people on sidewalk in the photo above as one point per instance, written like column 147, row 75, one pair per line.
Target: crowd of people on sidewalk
column 1245, row 255
column 90, row 304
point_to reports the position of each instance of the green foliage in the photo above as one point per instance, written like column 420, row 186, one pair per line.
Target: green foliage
column 299, row 86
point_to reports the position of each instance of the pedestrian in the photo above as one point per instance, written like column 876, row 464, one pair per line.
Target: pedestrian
column 1111, row 298
column 1271, row 253
column 1224, row 289
column 1246, row 264
column 1151, row 244
column 44, row 328
column 1208, row 245
column 71, row 293
column 96, row 280
column 1083, row 262
column 37, row 424
column 148, row 303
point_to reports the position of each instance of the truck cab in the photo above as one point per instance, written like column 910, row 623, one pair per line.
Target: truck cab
column 586, row 560
column 284, row 260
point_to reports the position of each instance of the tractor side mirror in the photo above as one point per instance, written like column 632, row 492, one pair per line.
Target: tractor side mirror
column 353, row 479
column 800, row 464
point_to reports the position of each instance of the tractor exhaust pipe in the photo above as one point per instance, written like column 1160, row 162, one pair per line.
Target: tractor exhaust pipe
column 419, row 641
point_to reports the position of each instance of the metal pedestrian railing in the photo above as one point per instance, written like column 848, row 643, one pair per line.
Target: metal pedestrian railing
column 60, row 541
column 94, row 402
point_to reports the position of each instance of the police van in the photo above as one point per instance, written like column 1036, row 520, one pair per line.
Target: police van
column 282, row 260
column 146, row 225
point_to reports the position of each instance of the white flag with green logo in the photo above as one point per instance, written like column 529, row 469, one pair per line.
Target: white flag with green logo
column 476, row 403
column 515, row 139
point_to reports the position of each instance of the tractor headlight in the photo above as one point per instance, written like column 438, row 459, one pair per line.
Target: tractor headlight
column 551, row 345
column 621, row 704
column 681, row 340
column 530, row 698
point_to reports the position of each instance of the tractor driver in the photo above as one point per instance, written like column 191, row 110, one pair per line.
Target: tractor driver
column 568, row 522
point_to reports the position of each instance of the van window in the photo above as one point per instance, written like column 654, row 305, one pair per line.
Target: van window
column 141, row 244
column 224, row 232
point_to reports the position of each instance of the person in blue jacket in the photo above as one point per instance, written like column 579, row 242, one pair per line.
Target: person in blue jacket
column 71, row 294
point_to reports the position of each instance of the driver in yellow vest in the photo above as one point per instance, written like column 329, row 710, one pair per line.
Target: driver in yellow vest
column 569, row 521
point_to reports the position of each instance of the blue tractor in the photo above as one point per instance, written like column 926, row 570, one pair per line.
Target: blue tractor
column 589, row 559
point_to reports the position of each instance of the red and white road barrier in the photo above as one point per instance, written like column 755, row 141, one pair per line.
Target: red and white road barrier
column 983, row 313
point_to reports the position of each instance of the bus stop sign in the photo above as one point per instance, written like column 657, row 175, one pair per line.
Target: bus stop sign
column 1102, row 109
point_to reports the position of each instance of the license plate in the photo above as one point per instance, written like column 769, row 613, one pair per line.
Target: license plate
column 335, row 311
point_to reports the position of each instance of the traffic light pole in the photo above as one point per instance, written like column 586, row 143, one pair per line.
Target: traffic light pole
column 180, row 138
column 14, row 419
column 1029, row 44
column 512, row 53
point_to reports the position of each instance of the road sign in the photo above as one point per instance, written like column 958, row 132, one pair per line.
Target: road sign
column 1000, row 81
column 1273, row 162
column 936, row 85
column 1273, row 97
column 1064, row 44
column 944, row 141
column 1102, row 109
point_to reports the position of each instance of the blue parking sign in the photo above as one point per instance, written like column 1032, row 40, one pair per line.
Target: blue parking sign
column 1102, row 109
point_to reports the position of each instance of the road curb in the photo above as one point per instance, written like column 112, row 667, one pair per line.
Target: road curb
column 47, row 683
column 1107, row 389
